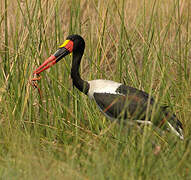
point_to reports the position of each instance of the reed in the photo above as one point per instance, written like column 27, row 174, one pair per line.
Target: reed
column 144, row 44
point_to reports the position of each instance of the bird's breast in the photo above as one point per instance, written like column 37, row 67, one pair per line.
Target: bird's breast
column 102, row 86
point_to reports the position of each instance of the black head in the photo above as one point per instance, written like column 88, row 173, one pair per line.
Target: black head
column 78, row 42
column 74, row 43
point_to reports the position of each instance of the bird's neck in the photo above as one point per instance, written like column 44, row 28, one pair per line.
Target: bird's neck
column 78, row 82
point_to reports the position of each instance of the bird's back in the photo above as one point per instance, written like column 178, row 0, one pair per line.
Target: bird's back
column 118, row 101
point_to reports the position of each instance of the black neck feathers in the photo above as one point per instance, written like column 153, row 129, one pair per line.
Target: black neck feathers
column 78, row 82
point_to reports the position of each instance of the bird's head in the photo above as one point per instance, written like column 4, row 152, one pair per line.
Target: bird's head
column 73, row 43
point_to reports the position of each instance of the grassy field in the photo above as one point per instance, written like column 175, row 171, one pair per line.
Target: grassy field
column 145, row 44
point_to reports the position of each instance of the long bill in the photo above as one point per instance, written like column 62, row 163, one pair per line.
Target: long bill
column 65, row 49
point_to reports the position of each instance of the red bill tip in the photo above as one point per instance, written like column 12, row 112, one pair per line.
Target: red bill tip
column 47, row 64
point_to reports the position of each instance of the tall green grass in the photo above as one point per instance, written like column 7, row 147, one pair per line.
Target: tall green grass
column 145, row 44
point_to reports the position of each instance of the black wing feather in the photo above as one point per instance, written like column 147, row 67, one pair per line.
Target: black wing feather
column 131, row 103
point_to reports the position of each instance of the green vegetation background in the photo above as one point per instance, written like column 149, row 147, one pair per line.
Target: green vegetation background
column 145, row 44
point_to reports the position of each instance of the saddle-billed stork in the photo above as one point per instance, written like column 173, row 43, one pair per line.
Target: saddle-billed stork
column 117, row 101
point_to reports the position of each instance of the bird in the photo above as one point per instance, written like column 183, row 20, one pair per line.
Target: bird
column 116, row 101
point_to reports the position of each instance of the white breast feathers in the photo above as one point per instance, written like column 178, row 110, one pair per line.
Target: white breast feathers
column 102, row 86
